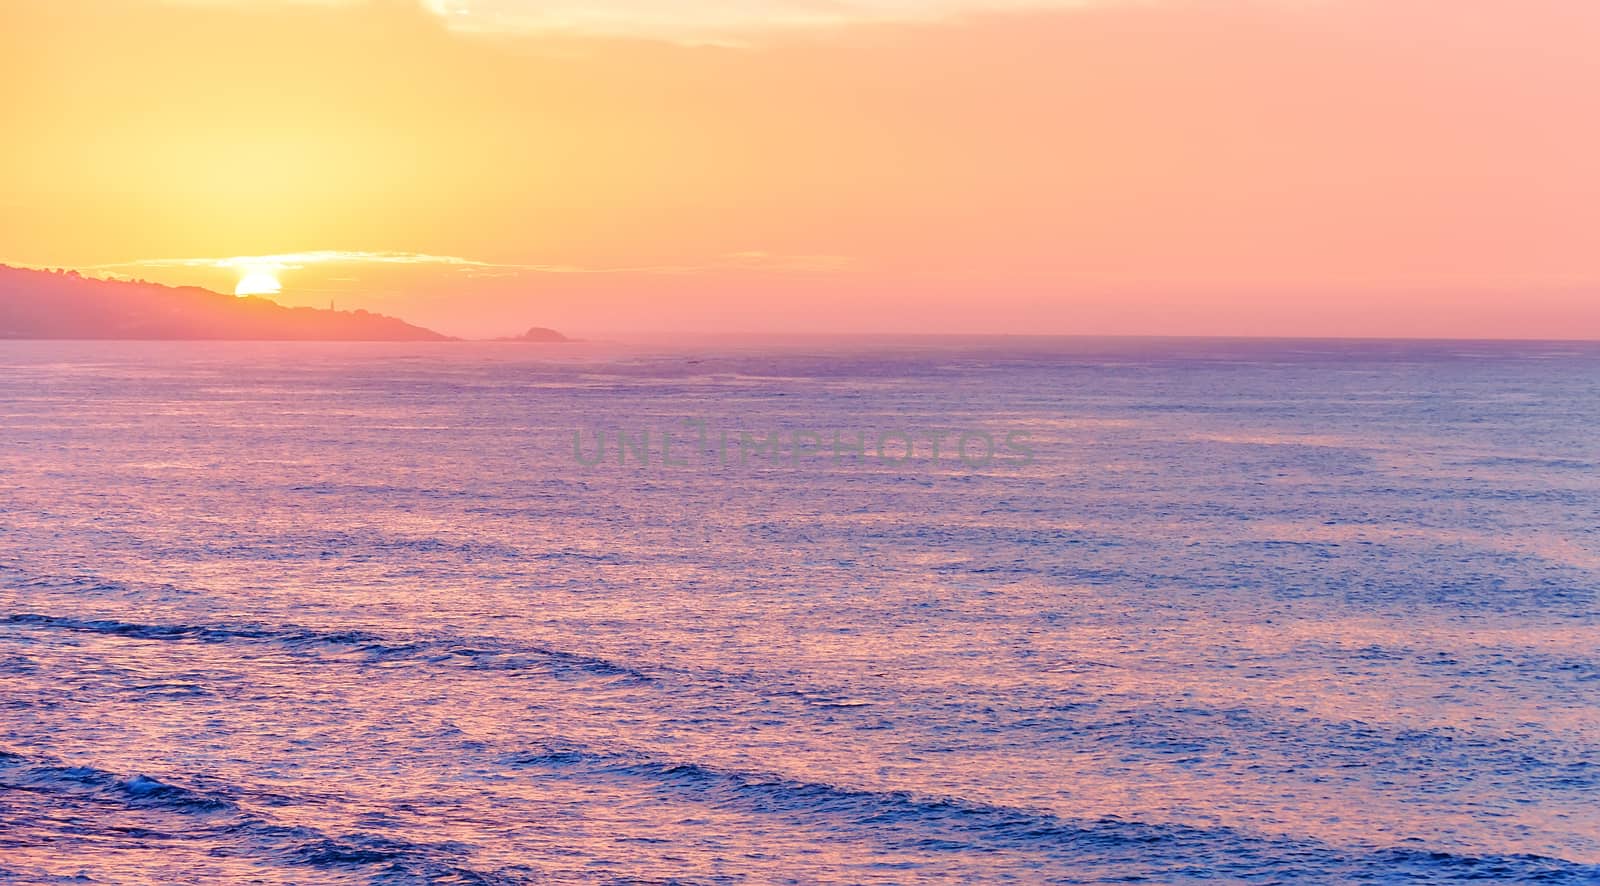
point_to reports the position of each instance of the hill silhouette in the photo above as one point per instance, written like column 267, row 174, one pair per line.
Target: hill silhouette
column 57, row 304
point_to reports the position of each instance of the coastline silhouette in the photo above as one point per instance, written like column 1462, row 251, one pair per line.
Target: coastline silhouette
column 66, row 305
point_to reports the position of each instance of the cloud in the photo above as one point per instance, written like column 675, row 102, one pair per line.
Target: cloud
column 714, row 21
column 299, row 260
column 711, row 20
column 295, row 261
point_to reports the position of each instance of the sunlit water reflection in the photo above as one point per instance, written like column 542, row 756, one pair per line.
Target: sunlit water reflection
column 356, row 613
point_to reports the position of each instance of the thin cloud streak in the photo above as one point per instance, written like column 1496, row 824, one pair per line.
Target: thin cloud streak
column 710, row 21
column 724, row 21
column 299, row 260
column 293, row 261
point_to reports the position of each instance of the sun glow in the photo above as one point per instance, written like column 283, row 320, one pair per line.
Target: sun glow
column 258, row 281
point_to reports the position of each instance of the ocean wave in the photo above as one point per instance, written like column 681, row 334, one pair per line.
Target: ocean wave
column 907, row 821
column 485, row 654
column 140, row 791
column 219, row 818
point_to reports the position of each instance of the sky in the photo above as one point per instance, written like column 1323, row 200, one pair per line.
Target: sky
column 1172, row 167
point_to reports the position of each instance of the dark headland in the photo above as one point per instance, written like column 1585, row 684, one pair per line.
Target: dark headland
column 66, row 305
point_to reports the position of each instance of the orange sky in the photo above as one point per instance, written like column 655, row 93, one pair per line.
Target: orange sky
column 1301, row 167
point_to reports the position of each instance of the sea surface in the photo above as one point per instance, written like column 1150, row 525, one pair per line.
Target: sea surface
column 1160, row 611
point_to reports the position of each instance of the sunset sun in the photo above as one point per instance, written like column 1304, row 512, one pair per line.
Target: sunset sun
column 258, row 281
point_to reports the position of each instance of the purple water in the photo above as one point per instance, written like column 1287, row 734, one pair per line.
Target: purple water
column 1249, row 611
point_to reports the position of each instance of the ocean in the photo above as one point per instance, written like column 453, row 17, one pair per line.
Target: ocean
column 717, row 612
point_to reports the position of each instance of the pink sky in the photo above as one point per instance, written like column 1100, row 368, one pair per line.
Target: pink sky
column 1275, row 167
